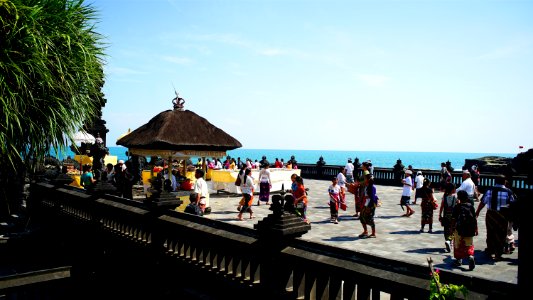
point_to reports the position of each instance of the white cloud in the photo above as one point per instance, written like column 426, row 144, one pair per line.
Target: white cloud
column 373, row 80
column 178, row 60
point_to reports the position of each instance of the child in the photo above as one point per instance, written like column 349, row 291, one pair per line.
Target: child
column 300, row 199
column 465, row 225
column 334, row 191
column 193, row 208
column 449, row 200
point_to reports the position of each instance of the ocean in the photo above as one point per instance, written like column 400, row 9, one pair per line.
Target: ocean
column 384, row 159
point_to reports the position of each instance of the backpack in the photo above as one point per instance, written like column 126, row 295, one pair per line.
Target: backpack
column 466, row 222
column 448, row 209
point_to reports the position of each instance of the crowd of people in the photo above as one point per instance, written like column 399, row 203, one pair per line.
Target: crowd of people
column 119, row 175
column 231, row 163
column 457, row 213
column 456, row 208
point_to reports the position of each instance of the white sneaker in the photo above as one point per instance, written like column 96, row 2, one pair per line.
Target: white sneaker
column 448, row 246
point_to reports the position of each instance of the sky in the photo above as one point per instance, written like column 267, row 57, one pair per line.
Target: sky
column 382, row 75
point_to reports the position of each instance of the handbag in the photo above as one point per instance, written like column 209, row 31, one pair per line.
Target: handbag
column 343, row 206
column 435, row 204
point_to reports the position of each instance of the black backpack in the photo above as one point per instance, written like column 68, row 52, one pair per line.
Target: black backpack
column 466, row 222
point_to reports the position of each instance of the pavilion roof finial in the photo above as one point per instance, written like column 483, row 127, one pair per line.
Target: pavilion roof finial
column 178, row 102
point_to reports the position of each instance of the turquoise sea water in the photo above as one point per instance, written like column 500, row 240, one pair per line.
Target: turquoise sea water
column 385, row 159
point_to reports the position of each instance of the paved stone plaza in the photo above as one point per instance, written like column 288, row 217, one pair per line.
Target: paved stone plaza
column 397, row 237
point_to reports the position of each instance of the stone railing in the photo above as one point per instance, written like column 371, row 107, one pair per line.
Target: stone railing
column 161, row 251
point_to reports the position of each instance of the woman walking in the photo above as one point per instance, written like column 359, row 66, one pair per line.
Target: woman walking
column 265, row 184
column 247, row 188
column 369, row 208
column 427, row 205
column 449, row 200
column 360, row 189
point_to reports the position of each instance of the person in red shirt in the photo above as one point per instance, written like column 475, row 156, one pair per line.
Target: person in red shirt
column 186, row 185
column 300, row 199
column 278, row 164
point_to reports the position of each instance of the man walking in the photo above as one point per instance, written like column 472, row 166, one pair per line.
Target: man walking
column 468, row 186
column 406, row 193
column 419, row 182
column 497, row 199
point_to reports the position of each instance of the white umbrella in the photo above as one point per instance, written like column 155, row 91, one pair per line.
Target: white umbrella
column 83, row 137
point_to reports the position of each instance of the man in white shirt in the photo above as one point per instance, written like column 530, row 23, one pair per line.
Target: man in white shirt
column 349, row 171
column 419, row 182
column 406, row 193
column 468, row 186
column 201, row 189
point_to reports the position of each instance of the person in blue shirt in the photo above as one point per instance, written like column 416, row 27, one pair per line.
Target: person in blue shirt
column 193, row 208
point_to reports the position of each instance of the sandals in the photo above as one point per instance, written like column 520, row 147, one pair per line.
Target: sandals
column 372, row 236
column 363, row 235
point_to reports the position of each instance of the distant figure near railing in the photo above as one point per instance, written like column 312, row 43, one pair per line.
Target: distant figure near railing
column 386, row 176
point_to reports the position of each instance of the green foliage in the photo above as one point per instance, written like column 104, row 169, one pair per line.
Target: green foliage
column 50, row 75
column 440, row 291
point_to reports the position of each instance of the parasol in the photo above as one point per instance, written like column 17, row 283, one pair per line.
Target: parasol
column 83, row 137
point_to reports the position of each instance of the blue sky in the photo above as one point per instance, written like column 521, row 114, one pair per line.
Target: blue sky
column 435, row 76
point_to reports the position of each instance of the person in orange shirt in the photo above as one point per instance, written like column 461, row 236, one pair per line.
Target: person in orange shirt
column 300, row 199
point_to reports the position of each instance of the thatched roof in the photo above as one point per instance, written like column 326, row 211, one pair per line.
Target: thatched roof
column 181, row 131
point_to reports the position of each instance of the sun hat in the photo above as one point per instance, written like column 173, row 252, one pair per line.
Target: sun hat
column 419, row 173
column 121, row 161
column 408, row 172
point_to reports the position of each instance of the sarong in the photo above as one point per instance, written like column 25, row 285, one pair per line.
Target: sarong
column 496, row 225
column 367, row 215
column 334, row 206
column 463, row 247
column 427, row 211
column 359, row 198
column 264, row 191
